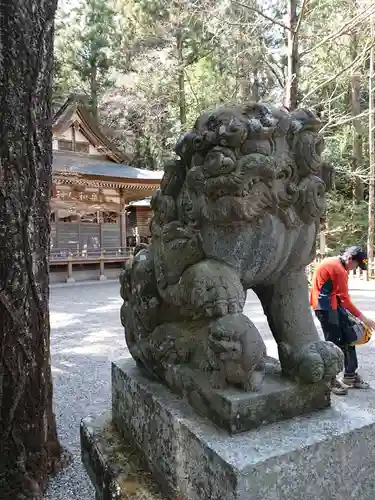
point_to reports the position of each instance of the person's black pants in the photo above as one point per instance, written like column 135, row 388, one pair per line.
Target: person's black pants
column 333, row 333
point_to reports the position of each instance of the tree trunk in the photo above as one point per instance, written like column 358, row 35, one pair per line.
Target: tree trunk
column 358, row 189
column 255, row 86
column 291, row 91
column 30, row 450
column 371, row 204
column 357, row 158
column 181, row 79
column 94, row 92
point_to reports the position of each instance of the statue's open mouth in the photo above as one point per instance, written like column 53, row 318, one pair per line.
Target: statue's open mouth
column 249, row 188
column 251, row 202
column 231, row 189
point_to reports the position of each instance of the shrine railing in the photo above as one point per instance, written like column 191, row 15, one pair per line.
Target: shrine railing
column 87, row 263
column 84, row 254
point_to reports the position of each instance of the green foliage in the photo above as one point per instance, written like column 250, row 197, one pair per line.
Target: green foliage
column 150, row 66
column 347, row 223
column 86, row 49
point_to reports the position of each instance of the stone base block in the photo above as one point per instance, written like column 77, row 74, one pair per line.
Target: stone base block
column 327, row 455
column 239, row 411
column 113, row 465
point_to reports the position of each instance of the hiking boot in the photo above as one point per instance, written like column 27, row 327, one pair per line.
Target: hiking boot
column 355, row 382
column 338, row 387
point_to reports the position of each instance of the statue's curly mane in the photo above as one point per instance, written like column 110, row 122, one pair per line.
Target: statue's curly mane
column 240, row 162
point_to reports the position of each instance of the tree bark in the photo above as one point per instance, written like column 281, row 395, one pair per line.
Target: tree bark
column 255, row 86
column 371, row 126
column 358, row 188
column 181, row 79
column 29, row 448
column 94, row 91
column 357, row 157
column 291, row 91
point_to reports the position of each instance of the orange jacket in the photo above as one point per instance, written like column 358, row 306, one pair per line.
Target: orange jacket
column 330, row 287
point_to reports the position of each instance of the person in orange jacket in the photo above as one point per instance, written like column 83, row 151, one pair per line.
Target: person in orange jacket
column 329, row 295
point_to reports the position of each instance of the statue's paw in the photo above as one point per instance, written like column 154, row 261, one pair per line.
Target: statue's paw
column 217, row 379
column 313, row 362
column 169, row 344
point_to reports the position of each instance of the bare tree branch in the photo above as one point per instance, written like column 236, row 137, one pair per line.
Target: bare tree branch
column 333, row 123
column 352, row 64
column 301, row 15
column 274, row 72
column 188, row 79
column 258, row 11
column 354, row 21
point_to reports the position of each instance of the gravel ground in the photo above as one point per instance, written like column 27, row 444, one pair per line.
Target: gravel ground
column 87, row 335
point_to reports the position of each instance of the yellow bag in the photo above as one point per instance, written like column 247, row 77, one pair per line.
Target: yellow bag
column 365, row 336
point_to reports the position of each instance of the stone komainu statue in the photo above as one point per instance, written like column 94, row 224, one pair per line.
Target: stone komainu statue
column 238, row 210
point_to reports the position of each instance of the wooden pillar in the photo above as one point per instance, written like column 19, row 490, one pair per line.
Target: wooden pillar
column 74, row 137
column 80, row 246
column 137, row 236
column 57, row 228
column 322, row 238
column 123, row 228
column 70, row 278
column 99, row 219
column 102, row 276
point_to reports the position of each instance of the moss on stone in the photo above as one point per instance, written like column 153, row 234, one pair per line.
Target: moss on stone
column 133, row 481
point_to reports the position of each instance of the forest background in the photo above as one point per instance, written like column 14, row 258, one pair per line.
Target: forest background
column 149, row 67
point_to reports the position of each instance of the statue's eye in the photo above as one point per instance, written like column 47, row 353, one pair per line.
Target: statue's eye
column 197, row 142
column 281, row 176
column 234, row 127
column 211, row 124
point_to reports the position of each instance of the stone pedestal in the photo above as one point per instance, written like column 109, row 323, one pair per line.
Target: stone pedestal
column 237, row 411
column 327, row 455
column 113, row 465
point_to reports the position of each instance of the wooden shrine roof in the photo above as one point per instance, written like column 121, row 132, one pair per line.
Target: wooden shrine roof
column 76, row 105
column 145, row 202
column 110, row 167
column 85, row 165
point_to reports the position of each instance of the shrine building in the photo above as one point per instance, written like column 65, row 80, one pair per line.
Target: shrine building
column 100, row 206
